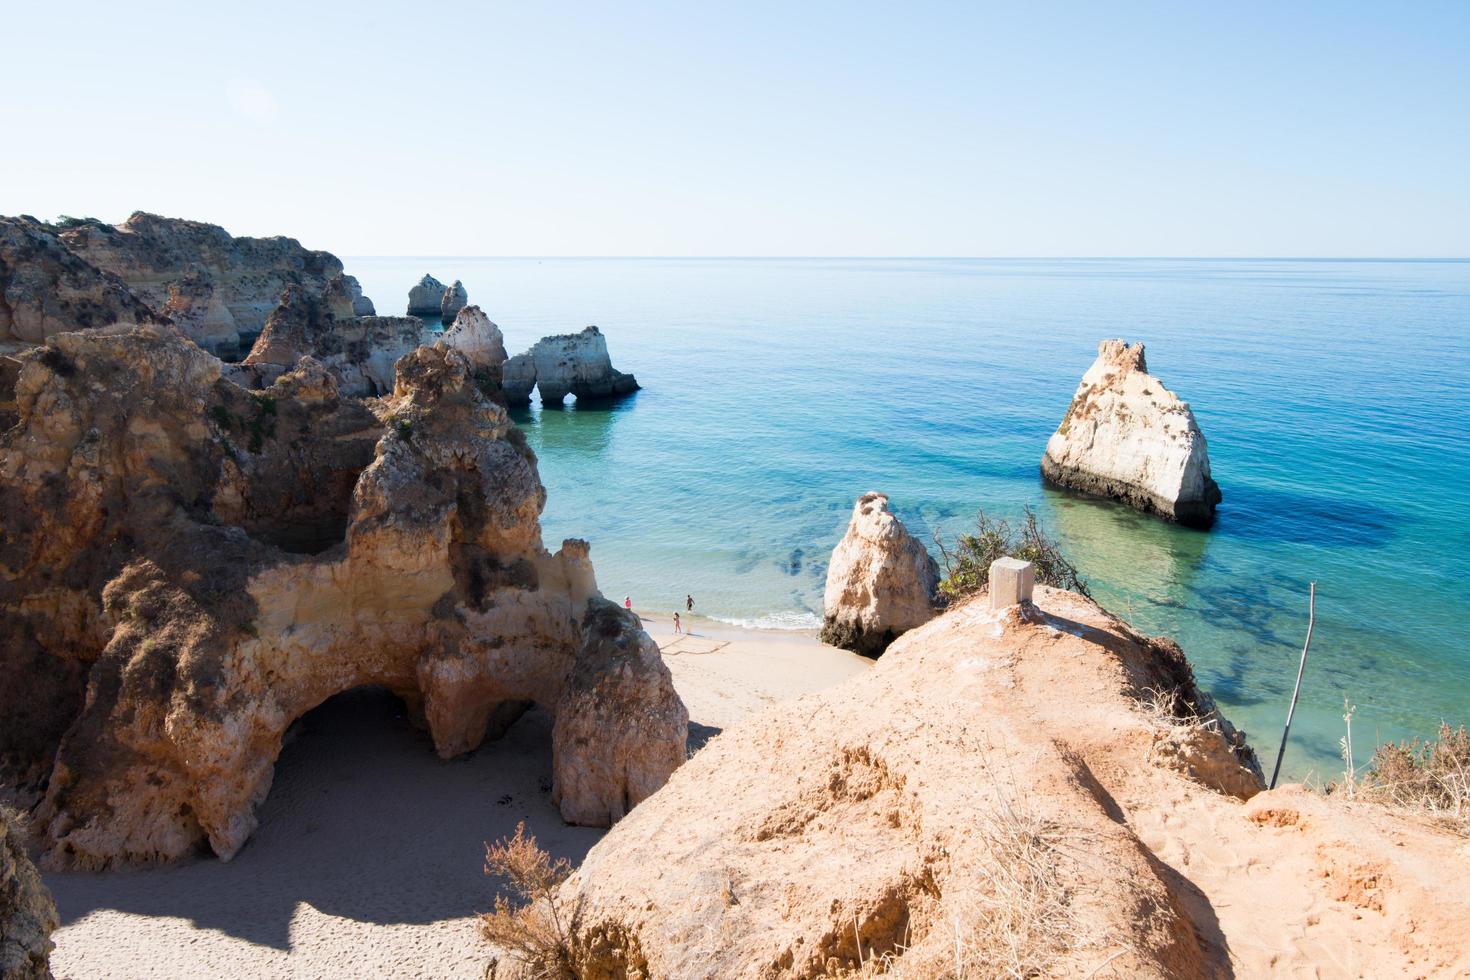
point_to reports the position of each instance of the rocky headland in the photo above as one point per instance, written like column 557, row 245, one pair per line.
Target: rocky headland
column 1037, row 790
column 189, row 566
column 566, row 364
column 881, row 581
column 1127, row 437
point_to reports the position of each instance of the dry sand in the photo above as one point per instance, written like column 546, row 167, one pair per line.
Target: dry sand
column 367, row 861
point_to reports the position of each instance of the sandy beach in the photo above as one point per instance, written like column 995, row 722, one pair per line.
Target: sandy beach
column 368, row 858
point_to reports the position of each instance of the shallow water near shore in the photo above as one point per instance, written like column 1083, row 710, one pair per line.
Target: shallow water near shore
column 1333, row 395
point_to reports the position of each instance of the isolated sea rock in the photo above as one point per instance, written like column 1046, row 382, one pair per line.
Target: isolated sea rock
column 567, row 364
column 45, row 289
column 960, row 799
column 217, row 288
column 360, row 350
column 1128, row 437
column 27, row 913
column 188, row 567
column 453, row 300
column 881, row 581
column 425, row 298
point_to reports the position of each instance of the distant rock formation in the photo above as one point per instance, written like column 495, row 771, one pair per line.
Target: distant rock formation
column 360, row 351
column 566, row 364
column 213, row 286
column 881, row 581
column 452, row 302
column 46, row 289
column 188, row 567
column 426, row 297
column 1128, row 437
column 345, row 299
column 966, row 791
column 27, row 913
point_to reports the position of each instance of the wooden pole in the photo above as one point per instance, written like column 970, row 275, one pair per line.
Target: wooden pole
column 1296, row 691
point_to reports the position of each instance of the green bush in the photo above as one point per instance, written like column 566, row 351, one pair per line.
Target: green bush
column 967, row 565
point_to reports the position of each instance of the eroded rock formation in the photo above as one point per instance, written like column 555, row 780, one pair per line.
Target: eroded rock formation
column 453, row 301
column 965, row 790
column 360, row 350
column 27, row 913
column 425, row 297
column 566, row 364
column 46, row 289
column 881, row 581
column 217, row 288
column 188, row 566
column 1128, row 437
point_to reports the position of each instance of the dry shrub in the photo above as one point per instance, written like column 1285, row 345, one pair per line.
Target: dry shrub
column 538, row 932
column 1009, row 916
column 967, row 566
column 1430, row 776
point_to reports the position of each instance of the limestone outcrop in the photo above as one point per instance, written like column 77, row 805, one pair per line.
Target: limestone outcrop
column 426, row 297
column 881, row 581
column 567, row 364
column 453, row 301
column 27, row 913
column 46, row 289
column 188, row 566
column 476, row 336
column 963, row 797
column 1128, row 437
column 360, row 350
column 217, row 288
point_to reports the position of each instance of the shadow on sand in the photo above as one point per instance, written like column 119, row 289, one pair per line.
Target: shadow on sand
column 363, row 821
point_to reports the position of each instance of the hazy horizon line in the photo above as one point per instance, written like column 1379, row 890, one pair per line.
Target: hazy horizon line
column 932, row 258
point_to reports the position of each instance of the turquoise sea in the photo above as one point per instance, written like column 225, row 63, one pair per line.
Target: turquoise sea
column 1333, row 394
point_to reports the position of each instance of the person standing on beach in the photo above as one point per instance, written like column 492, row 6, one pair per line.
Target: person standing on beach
column 677, row 627
column 689, row 603
column 628, row 603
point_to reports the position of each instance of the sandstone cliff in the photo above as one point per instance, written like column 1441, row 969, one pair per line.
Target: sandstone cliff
column 881, row 581
column 1037, row 791
column 426, row 296
column 46, row 289
column 217, row 288
column 189, row 566
column 566, row 364
column 27, row 914
column 1128, row 437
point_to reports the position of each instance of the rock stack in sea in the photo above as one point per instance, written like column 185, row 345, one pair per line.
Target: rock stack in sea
column 1127, row 437
column 881, row 581
column 566, row 364
column 453, row 300
column 426, row 297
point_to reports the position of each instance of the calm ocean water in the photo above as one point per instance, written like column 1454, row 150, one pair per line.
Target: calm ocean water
column 1333, row 394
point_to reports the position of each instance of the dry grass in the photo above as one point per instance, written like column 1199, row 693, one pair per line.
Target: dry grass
column 1430, row 776
column 538, row 933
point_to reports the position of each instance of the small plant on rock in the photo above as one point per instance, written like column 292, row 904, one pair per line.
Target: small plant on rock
column 967, row 565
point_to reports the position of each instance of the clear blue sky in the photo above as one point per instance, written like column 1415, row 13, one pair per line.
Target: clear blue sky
column 753, row 128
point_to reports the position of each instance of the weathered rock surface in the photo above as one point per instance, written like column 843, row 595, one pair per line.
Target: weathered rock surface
column 27, row 913
column 881, row 581
column 45, row 289
column 344, row 296
column 962, row 793
column 215, row 287
column 360, row 350
column 425, row 298
column 187, row 567
column 1128, row 437
column 476, row 336
column 567, row 364
column 453, row 301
